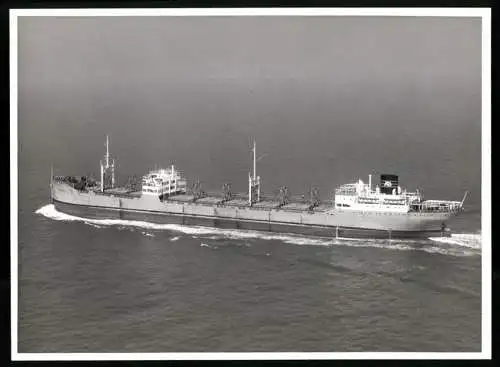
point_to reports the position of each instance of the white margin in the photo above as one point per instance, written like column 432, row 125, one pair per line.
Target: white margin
column 484, row 13
column 13, row 185
column 238, row 356
column 486, row 186
column 411, row 12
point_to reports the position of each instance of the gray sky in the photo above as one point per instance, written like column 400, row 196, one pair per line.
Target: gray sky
column 337, row 97
column 74, row 52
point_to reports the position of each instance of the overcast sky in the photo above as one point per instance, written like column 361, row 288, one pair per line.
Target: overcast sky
column 78, row 52
column 395, row 94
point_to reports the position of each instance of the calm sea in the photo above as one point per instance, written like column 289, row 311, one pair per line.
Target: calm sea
column 118, row 286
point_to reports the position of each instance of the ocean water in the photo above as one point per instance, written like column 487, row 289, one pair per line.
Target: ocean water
column 117, row 286
column 120, row 286
column 111, row 286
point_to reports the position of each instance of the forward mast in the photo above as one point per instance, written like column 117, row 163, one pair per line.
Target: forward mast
column 107, row 170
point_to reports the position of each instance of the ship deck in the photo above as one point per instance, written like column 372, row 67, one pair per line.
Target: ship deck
column 265, row 204
column 212, row 199
column 119, row 191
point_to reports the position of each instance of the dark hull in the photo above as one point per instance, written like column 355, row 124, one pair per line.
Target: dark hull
column 94, row 212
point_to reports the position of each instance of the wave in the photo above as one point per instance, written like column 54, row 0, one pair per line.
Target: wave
column 209, row 246
column 93, row 225
column 460, row 244
column 470, row 240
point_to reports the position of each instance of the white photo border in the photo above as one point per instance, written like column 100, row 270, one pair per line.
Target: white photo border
column 483, row 13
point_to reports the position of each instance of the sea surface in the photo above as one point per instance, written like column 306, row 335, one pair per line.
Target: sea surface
column 119, row 286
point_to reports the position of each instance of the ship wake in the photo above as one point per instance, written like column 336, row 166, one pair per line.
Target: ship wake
column 460, row 244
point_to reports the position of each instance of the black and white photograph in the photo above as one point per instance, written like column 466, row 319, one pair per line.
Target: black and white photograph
column 205, row 184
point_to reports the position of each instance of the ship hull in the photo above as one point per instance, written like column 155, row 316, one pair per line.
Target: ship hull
column 340, row 224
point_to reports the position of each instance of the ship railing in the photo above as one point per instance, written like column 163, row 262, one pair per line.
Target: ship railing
column 440, row 206
column 124, row 194
column 348, row 192
column 60, row 178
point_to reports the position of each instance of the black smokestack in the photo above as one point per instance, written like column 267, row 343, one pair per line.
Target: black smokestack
column 388, row 183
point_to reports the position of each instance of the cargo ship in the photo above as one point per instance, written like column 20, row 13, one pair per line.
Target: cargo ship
column 356, row 210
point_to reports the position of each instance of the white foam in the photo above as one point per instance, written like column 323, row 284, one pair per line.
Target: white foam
column 50, row 211
column 449, row 251
column 93, row 225
column 453, row 245
column 470, row 240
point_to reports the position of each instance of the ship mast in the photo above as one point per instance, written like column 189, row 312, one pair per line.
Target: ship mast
column 51, row 180
column 106, row 167
column 254, row 181
column 254, row 160
column 107, row 151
